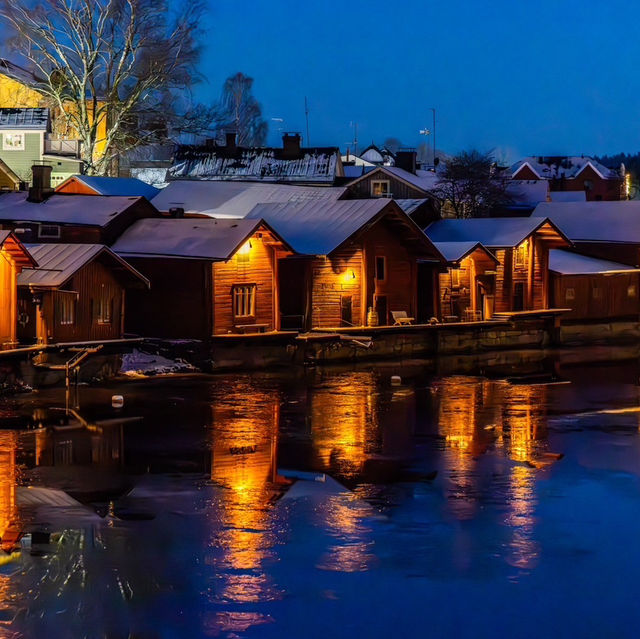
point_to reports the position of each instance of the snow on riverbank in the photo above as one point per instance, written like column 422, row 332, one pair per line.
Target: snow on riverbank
column 137, row 364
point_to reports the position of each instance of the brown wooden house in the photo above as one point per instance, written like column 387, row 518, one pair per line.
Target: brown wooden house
column 352, row 256
column 14, row 257
column 593, row 289
column 468, row 285
column 76, row 294
column 521, row 246
column 208, row 277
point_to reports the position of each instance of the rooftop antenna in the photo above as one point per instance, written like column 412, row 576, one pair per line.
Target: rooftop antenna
column 355, row 137
column 306, row 116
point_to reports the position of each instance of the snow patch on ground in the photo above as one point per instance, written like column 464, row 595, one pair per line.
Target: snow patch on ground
column 138, row 363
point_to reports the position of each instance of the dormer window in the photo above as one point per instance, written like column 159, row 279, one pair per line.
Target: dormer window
column 13, row 141
column 380, row 188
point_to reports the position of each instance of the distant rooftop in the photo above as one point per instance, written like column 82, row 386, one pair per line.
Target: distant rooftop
column 114, row 186
column 14, row 118
column 556, row 167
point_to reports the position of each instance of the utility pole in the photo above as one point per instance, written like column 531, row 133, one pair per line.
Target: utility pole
column 306, row 115
column 355, row 137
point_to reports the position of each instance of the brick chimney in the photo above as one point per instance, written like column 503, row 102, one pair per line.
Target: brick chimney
column 407, row 160
column 40, row 183
column 291, row 146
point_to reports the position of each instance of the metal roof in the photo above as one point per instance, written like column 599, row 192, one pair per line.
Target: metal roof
column 457, row 251
column 19, row 118
column 617, row 221
column 57, row 263
column 10, row 243
column 115, row 186
column 318, row 228
column 83, row 210
column 235, row 199
column 193, row 238
column 409, row 206
column 567, row 263
column 491, row 232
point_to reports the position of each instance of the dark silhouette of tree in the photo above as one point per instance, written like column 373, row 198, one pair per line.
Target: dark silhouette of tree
column 393, row 144
column 239, row 112
column 471, row 184
column 116, row 72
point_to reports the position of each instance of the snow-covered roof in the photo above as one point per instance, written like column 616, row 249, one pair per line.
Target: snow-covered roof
column 567, row 263
column 36, row 119
column 527, row 192
column 491, row 232
column 264, row 164
column 549, row 168
column 410, row 205
column 617, row 221
column 568, row 196
column 457, row 251
column 57, row 263
column 235, row 199
column 114, row 186
column 425, row 181
column 83, row 210
column 18, row 73
column 318, row 228
column 185, row 238
column 353, row 171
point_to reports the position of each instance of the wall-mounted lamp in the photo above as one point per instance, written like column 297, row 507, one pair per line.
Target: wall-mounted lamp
column 245, row 249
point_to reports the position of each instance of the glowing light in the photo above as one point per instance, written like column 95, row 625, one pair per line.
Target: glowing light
column 349, row 275
column 245, row 249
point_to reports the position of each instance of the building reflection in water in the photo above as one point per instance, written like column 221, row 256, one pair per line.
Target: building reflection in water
column 245, row 430
column 476, row 415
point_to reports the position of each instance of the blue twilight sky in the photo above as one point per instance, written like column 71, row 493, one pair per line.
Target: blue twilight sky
column 521, row 77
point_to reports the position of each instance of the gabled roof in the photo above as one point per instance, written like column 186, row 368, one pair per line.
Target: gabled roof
column 235, row 199
column 113, row 186
column 186, row 238
column 567, row 263
column 527, row 193
column 549, row 168
column 36, row 119
column 18, row 251
column 409, row 206
column 8, row 171
column 425, row 181
column 616, row 221
column 319, row 228
column 82, row 210
column 18, row 73
column 57, row 263
column 456, row 251
column 491, row 232
column 263, row 164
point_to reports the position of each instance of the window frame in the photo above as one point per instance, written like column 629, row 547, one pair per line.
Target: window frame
column 49, row 236
column 569, row 294
column 521, row 255
column 6, row 147
column 66, row 308
column 386, row 183
column 249, row 293
column 100, row 304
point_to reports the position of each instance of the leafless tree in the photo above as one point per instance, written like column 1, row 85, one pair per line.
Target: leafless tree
column 115, row 72
column 471, row 184
column 239, row 112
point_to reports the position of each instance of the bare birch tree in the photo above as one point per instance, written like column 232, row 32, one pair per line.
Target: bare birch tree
column 115, row 71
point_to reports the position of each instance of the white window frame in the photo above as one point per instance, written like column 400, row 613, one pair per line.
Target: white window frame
column 104, row 309
column 13, row 147
column 243, row 301
column 66, row 307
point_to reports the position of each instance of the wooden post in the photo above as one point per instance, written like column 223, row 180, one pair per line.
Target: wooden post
column 276, row 290
column 531, row 272
column 14, row 301
column 363, row 286
column 473, row 285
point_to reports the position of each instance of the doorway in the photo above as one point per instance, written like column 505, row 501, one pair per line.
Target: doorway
column 518, row 296
column 426, row 301
column 382, row 310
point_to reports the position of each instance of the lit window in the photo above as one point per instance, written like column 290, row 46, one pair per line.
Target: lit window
column 244, row 300
column 521, row 255
column 596, row 293
column 65, row 308
column 49, row 230
column 380, row 188
column 103, row 309
column 381, row 268
column 455, row 277
column 570, row 294
column 631, row 290
column 13, row 141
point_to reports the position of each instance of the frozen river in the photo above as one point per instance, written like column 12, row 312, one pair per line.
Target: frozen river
column 326, row 504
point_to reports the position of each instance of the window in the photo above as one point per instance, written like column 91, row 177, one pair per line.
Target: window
column 103, row 307
column 380, row 188
column 596, row 293
column 65, row 308
column 631, row 290
column 381, row 268
column 570, row 294
column 49, row 230
column 521, row 255
column 455, row 277
column 13, row 141
column 244, row 300
column 588, row 185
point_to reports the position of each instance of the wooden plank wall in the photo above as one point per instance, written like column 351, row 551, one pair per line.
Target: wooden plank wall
column 399, row 189
column 92, row 280
column 8, row 298
column 258, row 270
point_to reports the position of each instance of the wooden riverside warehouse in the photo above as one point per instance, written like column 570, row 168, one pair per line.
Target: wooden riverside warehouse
column 75, row 294
column 208, row 277
column 356, row 255
column 521, row 246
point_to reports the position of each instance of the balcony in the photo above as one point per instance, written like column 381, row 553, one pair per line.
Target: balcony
column 66, row 148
